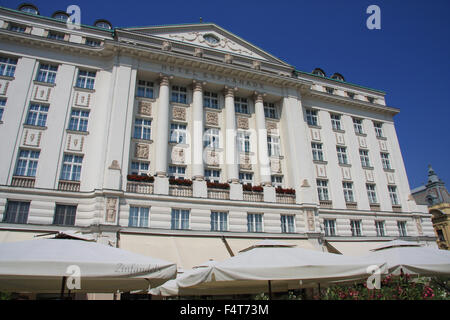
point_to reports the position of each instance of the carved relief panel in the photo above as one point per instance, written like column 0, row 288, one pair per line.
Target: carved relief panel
column 41, row 93
column 141, row 151
column 32, row 138
column 75, row 142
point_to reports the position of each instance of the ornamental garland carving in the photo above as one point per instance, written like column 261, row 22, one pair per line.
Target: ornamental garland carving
column 271, row 125
column 178, row 155
column 142, row 151
column 145, row 108
column 223, row 43
column 310, row 218
column 212, row 158
column 32, row 138
column 242, row 123
column 245, row 162
column 111, row 211
column 179, row 113
column 275, row 166
column 212, row 119
column 42, row 93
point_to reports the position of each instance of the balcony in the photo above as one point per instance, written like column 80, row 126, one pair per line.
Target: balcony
column 375, row 206
column 396, row 208
column 253, row 196
column 286, row 198
column 180, row 191
column 326, row 203
column 140, row 187
column 65, row 185
column 218, row 194
column 23, row 182
column 352, row 205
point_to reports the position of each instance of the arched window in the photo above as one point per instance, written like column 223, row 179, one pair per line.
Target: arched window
column 104, row 24
column 60, row 15
column 337, row 76
column 319, row 72
column 28, row 8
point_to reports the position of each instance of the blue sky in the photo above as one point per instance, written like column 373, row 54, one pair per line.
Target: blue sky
column 409, row 58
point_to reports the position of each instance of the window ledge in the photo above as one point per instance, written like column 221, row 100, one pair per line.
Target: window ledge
column 361, row 134
column 42, row 83
column 213, row 149
column 30, row 126
column 182, row 145
column 146, row 99
column 313, row 126
column 348, row 165
column 276, row 157
column 367, row 168
column 142, row 140
column 180, row 104
column 320, row 162
column 277, row 119
column 84, row 133
column 339, row 130
column 7, row 78
column 388, row 170
column 213, row 109
column 381, row 138
column 241, row 114
column 84, row 89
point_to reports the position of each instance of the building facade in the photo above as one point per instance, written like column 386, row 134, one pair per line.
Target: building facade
column 188, row 143
column 435, row 195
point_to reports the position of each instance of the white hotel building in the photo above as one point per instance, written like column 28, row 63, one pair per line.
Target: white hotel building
column 148, row 138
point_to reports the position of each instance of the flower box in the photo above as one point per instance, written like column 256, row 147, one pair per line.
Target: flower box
column 217, row 185
column 138, row 178
column 180, row 182
column 280, row 190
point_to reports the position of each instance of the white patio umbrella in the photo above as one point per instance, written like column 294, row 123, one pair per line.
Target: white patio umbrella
column 412, row 258
column 44, row 265
column 273, row 267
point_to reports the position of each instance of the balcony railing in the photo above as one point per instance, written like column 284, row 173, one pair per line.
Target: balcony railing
column 218, row 194
column 23, row 182
column 180, row 191
column 65, row 185
column 326, row 203
column 286, row 198
column 140, row 187
column 352, row 205
column 253, row 196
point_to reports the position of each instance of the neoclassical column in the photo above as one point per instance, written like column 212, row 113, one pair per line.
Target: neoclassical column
column 231, row 151
column 198, row 129
column 162, row 128
column 263, row 150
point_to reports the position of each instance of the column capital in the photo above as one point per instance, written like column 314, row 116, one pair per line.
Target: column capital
column 259, row 96
column 164, row 79
column 198, row 85
column 229, row 91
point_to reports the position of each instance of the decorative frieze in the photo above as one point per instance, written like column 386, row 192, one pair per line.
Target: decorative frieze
column 362, row 142
column 270, row 125
column 340, row 138
column 275, row 165
column 321, row 170
column 32, row 138
column 315, row 134
column 178, row 155
column 245, row 162
column 111, row 210
column 41, row 93
column 419, row 226
column 390, row 177
column 369, row 175
column 346, row 173
column 212, row 118
column 83, row 99
column 145, row 108
column 142, row 151
column 212, row 158
column 310, row 220
column 4, row 84
column 75, row 143
column 179, row 113
column 242, row 123
column 383, row 145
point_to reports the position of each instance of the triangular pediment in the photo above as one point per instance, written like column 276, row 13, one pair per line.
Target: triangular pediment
column 210, row 36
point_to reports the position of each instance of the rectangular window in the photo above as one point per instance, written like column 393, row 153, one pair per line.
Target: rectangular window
column 178, row 133
column 270, row 110
column 322, row 189
column 342, row 155
column 254, row 222
column 371, row 193
column 243, row 141
column 139, row 168
column 7, row 66
column 55, row 35
column 86, row 79
column 138, row 217
column 47, row 73
column 27, row 163
column 277, row 181
column 179, row 94
column 355, row 226
column 65, row 215
column 219, row 221
column 37, row 115
column 145, row 89
column 241, row 105
column 379, row 225
column 2, row 108
column 348, row 191
column 142, row 129
column 212, row 175
column 16, row 28
column 312, row 117
column 287, row 223
column 402, row 228
column 246, row 178
column 210, row 100
column 180, row 219
column 393, row 195
column 317, row 151
column 385, row 160
column 364, row 156
column 93, row 42
column 357, row 125
column 336, row 122
column 16, row 212
column 440, row 235
column 79, row 120
column 177, row 172
column 378, row 129
column 211, row 138
column 273, row 144
column 71, row 169
column 329, row 227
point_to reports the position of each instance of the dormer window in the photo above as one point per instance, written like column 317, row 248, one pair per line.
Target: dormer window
column 211, row 39
column 338, row 77
column 28, row 8
column 103, row 24
column 61, row 16
column 319, row 72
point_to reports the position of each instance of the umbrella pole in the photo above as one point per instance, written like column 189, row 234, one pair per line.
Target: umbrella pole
column 270, row 290
column 63, row 285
